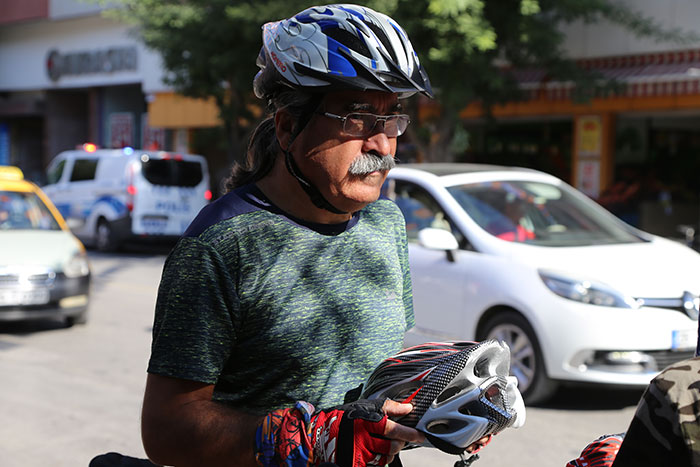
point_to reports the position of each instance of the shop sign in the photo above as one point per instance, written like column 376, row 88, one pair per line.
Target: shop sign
column 90, row 62
column 121, row 130
column 153, row 137
column 590, row 135
column 588, row 179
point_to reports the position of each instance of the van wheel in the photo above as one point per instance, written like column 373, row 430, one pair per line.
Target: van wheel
column 104, row 237
column 526, row 362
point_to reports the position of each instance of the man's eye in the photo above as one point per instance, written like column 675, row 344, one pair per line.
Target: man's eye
column 360, row 119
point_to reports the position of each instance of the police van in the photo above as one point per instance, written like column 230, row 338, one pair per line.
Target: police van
column 110, row 196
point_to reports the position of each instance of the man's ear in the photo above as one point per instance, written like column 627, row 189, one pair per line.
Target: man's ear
column 284, row 125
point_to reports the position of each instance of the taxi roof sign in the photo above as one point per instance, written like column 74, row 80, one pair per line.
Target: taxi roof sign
column 9, row 172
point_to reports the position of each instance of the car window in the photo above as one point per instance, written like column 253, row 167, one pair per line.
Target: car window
column 539, row 213
column 55, row 173
column 172, row 172
column 83, row 169
column 419, row 208
column 25, row 211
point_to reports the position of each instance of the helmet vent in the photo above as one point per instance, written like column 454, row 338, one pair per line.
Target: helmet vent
column 475, row 408
column 481, row 368
column 495, row 396
column 463, row 344
column 383, row 39
column 348, row 40
column 447, row 393
column 439, row 427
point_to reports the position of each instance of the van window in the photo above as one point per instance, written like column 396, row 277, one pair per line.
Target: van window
column 83, row 169
column 54, row 174
column 172, row 172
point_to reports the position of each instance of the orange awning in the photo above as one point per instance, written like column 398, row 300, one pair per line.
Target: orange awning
column 170, row 110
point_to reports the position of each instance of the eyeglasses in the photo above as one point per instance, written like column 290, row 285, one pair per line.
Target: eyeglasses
column 362, row 124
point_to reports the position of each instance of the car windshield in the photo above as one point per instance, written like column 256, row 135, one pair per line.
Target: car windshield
column 172, row 172
column 540, row 213
column 25, row 211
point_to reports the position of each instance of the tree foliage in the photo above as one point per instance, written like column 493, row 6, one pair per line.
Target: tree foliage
column 209, row 49
column 468, row 46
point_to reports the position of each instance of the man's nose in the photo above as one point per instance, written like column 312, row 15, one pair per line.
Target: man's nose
column 379, row 141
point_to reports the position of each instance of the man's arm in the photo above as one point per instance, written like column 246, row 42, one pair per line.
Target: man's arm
column 182, row 426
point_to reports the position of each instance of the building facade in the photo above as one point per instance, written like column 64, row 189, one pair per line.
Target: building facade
column 70, row 76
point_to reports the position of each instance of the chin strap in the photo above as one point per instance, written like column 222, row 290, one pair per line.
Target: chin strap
column 313, row 192
column 466, row 462
column 309, row 188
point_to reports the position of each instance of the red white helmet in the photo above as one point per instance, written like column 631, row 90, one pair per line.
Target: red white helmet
column 340, row 47
column 460, row 391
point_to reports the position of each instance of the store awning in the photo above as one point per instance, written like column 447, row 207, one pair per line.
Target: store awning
column 170, row 110
column 646, row 75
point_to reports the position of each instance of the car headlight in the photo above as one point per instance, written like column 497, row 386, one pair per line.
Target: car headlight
column 77, row 266
column 586, row 291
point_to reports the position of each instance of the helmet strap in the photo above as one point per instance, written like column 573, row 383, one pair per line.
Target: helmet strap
column 466, row 462
column 309, row 188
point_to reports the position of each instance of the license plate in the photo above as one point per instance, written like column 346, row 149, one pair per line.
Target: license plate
column 154, row 225
column 24, row 297
column 684, row 339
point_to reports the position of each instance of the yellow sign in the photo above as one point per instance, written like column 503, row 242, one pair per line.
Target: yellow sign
column 590, row 135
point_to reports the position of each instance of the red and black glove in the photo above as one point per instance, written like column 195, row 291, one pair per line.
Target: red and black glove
column 599, row 453
column 349, row 435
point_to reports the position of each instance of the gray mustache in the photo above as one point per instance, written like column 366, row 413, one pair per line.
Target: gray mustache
column 369, row 162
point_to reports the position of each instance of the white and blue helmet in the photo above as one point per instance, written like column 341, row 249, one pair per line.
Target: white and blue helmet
column 340, row 47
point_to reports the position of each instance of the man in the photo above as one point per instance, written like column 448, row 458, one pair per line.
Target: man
column 286, row 292
column 665, row 429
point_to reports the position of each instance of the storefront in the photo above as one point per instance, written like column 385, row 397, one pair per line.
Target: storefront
column 642, row 141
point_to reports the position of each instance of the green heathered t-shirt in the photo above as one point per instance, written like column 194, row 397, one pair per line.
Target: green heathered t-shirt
column 272, row 310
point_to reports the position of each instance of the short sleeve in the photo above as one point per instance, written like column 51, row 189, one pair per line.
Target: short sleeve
column 194, row 325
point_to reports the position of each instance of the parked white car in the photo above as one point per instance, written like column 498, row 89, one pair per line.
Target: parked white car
column 519, row 255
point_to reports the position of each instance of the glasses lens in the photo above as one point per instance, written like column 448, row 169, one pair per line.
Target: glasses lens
column 359, row 124
column 396, row 125
column 362, row 124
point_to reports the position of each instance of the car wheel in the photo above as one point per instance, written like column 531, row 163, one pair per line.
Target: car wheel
column 78, row 319
column 104, row 236
column 526, row 361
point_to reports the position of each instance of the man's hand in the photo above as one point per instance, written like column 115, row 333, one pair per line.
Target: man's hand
column 399, row 434
column 357, row 434
column 360, row 433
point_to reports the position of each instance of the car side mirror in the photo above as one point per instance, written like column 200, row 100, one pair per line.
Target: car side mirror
column 439, row 239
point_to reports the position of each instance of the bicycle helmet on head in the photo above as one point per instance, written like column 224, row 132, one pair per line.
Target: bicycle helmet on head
column 460, row 391
column 335, row 48
column 340, row 47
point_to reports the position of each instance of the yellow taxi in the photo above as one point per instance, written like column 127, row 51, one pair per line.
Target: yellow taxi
column 44, row 269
